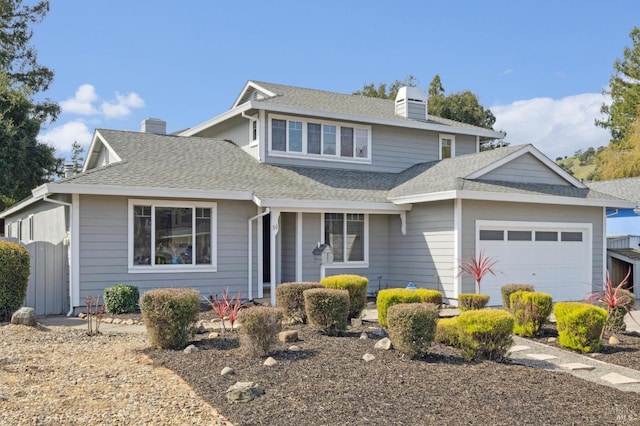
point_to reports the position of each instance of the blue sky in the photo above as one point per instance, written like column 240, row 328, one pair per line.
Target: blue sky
column 540, row 66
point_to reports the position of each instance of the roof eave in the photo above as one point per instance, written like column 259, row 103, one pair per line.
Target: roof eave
column 217, row 119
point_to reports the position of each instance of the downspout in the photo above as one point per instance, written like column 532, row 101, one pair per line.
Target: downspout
column 64, row 203
column 250, row 257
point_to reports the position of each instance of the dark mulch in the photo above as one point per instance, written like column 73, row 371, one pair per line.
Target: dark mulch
column 328, row 383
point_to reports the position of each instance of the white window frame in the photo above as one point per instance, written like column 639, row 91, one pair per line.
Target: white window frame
column 19, row 229
column 349, row 264
column 254, row 141
column 153, row 268
column 30, row 233
column 321, row 156
column 453, row 145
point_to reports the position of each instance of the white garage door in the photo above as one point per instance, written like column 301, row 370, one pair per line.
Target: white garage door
column 555, row 258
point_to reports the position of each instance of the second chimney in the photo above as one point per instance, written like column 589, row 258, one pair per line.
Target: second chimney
column 154, row 125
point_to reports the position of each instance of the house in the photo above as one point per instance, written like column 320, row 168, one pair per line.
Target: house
column 293, row 184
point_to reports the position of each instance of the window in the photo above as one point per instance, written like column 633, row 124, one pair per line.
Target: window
column 326, row 140
column 571, row 236
column 19, row 226
column 171, row 235
column 546, row 236
column 488, row 235
column 519, row 235
column 254, row 131
column 447, row 146
column 346, row 234
column 30, row 229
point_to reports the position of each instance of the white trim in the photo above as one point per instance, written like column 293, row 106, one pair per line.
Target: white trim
column 217, row 119
column 19, row 206
column 320, row 206
column 260, row 215
column 74, row 281
column 253, row 85
column 262, row 148
column 128, row 191
column 91, row 152
column 260, row 277
column 605, row 248
column 153, row 268
column 453, row 145
column 30, row 232
column 348, row 264
column 477, row 143
column 298, row 246
column 457, row 246
column 273, row 232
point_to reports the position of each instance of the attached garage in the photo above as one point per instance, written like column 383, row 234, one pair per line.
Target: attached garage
column 554, row 257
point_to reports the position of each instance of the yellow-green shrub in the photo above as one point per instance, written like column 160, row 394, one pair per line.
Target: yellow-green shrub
column 259, row 327
column 447, row 331
column 485, row 333
column 355, row 285
column 14, row 278
column 530, row 311
column 290, row 299
column 392, row 296
column 580, row 325
column 507, row 290
column 468, row 302
column 412, row 327
column 327, row 309
column 170, row 315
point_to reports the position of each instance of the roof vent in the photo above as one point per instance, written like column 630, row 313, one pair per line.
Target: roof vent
column 154, row 125
column 411, row 102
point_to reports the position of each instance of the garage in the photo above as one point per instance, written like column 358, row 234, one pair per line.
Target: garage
column 554, row 257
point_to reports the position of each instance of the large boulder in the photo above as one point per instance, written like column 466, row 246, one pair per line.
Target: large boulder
column 24, row 316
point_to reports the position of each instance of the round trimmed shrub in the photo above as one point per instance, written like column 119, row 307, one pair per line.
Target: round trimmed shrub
column 170, row 315
column 485, row 333
column 412, row 327
column 121, row 299
column 327, row 309
column 259, row 327
column 14, row 278
column 392, row 296
column 468, row 302
column 447, row 331
column 355, row 285
column 507, row 290
column 290, row 299
column 530, row 311
column 580, row 325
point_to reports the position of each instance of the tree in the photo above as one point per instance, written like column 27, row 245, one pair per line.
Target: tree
column 381, row 91
column 622, row 159
column 24, row 162
column 624, row 89
column 76, row 158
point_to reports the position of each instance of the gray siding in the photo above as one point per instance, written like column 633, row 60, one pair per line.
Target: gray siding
column 310, row 238
column 425, row 255
column 465, row 144
column 235, row 129
column 481, row 210
column 288, row 254
column 525, row 169
column 104, row 250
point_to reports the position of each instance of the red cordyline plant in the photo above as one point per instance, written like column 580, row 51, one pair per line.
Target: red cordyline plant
column 226, row 307
column 616, row 300
column 478, row 267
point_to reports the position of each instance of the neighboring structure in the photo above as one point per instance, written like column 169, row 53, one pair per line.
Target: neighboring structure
column 244, row 200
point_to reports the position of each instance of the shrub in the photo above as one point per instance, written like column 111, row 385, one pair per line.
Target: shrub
column 580, row 325
column 355, row 285
column 530, row 311
column 170, row 315
column 290, row 299
column 485, row 333
column 412, row 327
column 259, row 327
column 509, row 289
column 327, row 309
column 615, row 318
column 121, row 299
column 393, row 296
column 468, row 302
column 447, row 331
column 14, row 278
column 617, row 301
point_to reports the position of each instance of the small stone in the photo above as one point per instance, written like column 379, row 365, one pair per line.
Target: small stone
column 3, row 397
column 363, row 336
column 190, row 349
column 243, row 392
column 129, row 322
column 117, row 321
column 613, row 340
column 24, row 316
column 368, row 357
column 82, row 315
column 552, row 339
column 379, row 331
column 288, row 336
column 356, row 322
column 108, row 320
column 227, row 371
column 270, row 362
column 295, row 348
column 213, row 335
column 384, row 344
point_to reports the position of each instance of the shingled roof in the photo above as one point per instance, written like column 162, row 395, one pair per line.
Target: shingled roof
column 627, row 188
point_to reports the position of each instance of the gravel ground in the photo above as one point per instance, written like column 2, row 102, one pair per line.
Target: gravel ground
column 59, row 376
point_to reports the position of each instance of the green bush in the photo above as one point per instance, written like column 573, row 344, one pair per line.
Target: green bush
column 14, row 278
column 447, row 331
column 580, row 325
column 121, row 299
column 355, row 285
column 327, row 309
column 412, row 327
column 468, row 302
column 259, row 327
column 509, row 289
column 170, row 315
column 392, row 296
column 290, row 299
column 485, row 333
column 530, row 311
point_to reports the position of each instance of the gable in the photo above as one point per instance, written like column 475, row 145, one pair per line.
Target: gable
column 525, row 169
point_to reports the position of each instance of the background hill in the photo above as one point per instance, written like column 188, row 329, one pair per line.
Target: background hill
column 581, row 164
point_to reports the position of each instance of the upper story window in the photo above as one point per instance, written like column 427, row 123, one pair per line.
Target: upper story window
column 254, row 132
column 321, row 140
column 447, row 146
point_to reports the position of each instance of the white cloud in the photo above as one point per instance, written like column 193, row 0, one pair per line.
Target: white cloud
column 82, row 102
column 62, row 137
column 556, row 127
column 122, row 106
column 507, row 72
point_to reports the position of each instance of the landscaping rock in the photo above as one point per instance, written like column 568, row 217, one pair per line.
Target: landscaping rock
column 117, row 321
column 190, row 349
column 213, row 335
column 129, row 322
column 288, row 336
column 384, row 344
column 552, row 339
column 24, row 316
column 363, row 336
column 368, row 357
column 294, row 348
column 227, row 371
column 270, row 362
column 379, row 331
column 107, row 320
column 613, row 340
column 243, row 392
column 356, row 322
column 82, row 315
